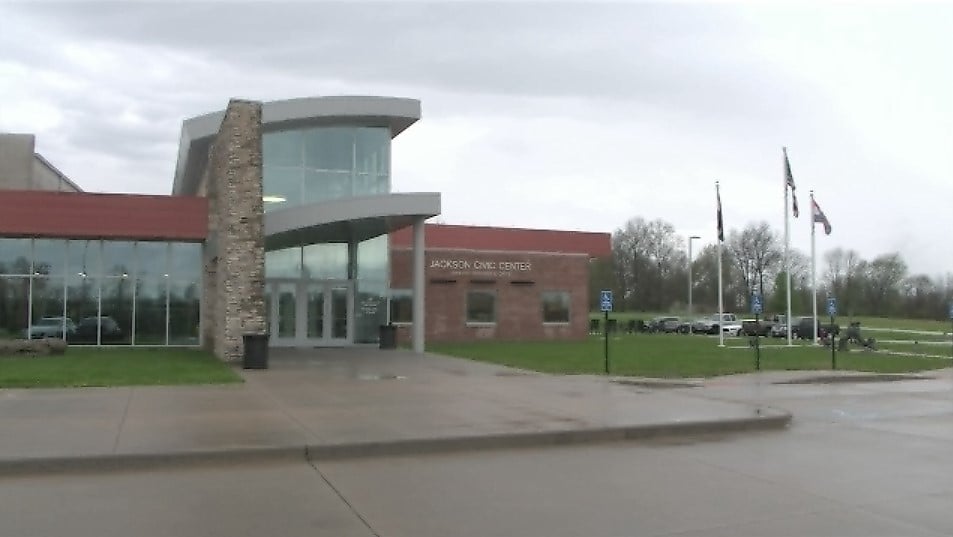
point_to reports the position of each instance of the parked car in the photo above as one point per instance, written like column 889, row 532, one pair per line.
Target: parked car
column 53, row 327
column 726, row 322
column 755, row 327
column 806, row 325
column 667, row 325
column 106, row 327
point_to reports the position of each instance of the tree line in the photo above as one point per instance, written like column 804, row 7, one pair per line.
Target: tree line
column 648, row 271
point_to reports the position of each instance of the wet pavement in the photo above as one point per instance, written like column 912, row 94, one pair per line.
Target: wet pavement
column 352, row 402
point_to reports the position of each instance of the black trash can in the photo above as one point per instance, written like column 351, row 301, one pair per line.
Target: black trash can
column 256, row 351
column 388, row 336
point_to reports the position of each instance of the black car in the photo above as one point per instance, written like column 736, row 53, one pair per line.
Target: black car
column 664, row 324
column 805, row 326
column 751, row 327
column 89, row 327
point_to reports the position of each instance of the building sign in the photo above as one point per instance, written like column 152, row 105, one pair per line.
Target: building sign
column 479, row 267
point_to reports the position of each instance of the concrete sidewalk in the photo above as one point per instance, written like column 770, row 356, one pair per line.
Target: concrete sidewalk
column 337, row 403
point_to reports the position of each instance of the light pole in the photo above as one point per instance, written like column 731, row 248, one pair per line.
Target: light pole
column 691, row 328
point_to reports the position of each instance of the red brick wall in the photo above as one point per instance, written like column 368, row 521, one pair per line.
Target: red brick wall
column 518, row 278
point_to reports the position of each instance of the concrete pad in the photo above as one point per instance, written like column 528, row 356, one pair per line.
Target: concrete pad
column 215, row 501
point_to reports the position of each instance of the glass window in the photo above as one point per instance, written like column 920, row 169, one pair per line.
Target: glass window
column 153, row 259
column 14, row 306
column 372, row 258
column 47, row 312
column 283, row 263
column 82, row 306
column 281, row 148
column 329, row 148
column 49, row 257
column 401, row 306
column 281, row 187
column 370, row 310
column 481, row 307
column 185, row 262
column 150, row 311
column 326, row 185
column 372, row 150
column 119, row 258
column 15, row 256
column 555, row 306
column 184, row 313
column 83, row 258
column 370, row 185
column 326, row 261
column 116, row 315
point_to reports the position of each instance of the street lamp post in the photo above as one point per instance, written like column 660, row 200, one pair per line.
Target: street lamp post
column 690, row 324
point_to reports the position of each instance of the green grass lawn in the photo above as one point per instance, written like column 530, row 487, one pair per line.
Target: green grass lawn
column 675, row 356
column 88, row 366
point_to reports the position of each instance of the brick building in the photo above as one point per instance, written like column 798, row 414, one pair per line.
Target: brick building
column 281, row 221
column 497, row 283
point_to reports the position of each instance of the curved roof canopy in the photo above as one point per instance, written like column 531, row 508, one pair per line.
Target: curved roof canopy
column 346, row 220
column 198, row 132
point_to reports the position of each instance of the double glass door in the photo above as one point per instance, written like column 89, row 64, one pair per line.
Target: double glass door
column 305, row 313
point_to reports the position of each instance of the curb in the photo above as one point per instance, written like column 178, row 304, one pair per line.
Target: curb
column 98, row 464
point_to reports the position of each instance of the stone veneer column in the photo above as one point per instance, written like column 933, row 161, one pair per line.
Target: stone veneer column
column 234, row 254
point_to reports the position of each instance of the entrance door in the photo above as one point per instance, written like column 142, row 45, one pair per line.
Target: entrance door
column 310, row 313
column 330, row 315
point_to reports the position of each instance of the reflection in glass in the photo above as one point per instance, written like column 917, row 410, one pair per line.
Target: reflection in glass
column 325, row 261
column 283, row 263
column 372, row 257
column 555, row 306
column 153, row 259
column 316, row 311
column 49, row 257
column 48, row 319
column 184, row 312
column 116, row 313
column 82, row 306
column 282, row 148
column 339, row 297
column 329, row 148
column 14, row 306
column 150, row 311
column 119, row 258
column 286, row 310
column 370, row 310
column 326, row 185
column 481, row 307
column 185, row 261
column 83, row 257
column 281, row 187
column 15, row 256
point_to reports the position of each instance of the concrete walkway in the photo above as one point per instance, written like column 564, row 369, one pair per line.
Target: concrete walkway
column 327, row 403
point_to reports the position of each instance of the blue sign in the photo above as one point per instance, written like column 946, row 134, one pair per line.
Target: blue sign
column 756, row 305
column 951, row 310
column 831, row 306
column 605, row 300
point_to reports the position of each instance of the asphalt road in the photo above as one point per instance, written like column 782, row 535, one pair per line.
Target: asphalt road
column 862, row 459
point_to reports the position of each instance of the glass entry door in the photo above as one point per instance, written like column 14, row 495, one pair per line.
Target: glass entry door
column 310, row 313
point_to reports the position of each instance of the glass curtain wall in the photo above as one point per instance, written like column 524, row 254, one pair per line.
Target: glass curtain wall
column 325, row 163
column 100, row 292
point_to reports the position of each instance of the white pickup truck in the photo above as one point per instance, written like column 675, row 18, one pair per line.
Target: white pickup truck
column 728, row 323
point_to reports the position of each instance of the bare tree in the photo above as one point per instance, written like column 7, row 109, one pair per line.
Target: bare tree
column 756, row 254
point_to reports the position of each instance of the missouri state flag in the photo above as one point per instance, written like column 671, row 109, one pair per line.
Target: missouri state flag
column 820, row 217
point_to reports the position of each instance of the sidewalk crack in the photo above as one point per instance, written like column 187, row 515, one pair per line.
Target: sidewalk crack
column 122, row 421
column 340, row 495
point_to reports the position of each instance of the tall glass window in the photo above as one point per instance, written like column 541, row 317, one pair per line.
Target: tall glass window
column 100, row 291
column 324, row 163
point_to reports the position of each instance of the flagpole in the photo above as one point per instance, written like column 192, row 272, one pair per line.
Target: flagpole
column 787, row 245
column 813, row 269
column 721, row 295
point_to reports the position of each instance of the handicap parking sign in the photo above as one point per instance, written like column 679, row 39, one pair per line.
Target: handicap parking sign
column 605, row 300
column 831, row 306
column 756, row 306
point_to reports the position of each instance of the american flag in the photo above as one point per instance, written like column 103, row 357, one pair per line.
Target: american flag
column 789, row 177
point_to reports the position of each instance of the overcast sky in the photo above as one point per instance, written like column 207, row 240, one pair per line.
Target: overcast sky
column 549, row 115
